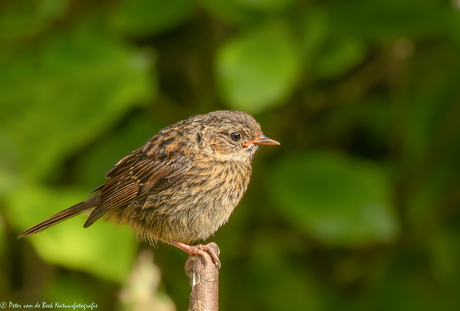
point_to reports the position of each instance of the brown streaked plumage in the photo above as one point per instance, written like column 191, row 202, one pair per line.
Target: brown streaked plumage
column 182, row 185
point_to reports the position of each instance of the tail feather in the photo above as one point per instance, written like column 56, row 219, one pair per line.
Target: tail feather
column 61, row 216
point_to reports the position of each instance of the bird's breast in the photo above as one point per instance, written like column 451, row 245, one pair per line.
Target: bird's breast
column 199, row 203
column 220, row 189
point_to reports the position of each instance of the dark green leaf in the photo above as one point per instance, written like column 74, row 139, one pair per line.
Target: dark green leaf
column 230, row 11
column 384, row 20
column 65, row 92
column 146, row 17
column 338, row 200
column 257, row 69
column 95, row 249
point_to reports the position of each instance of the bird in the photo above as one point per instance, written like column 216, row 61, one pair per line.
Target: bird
column 181, row 186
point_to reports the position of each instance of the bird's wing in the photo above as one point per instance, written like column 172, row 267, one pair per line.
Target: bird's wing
column 134, row 172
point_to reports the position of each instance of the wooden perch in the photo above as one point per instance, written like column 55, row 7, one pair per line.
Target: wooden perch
column 204, row 279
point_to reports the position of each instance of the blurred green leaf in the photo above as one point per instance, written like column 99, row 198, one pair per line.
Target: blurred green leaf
column 102, row 249
column 383, row 20
column 433, row 99
column 22, row 18
column 2, row 234
column 9, row 164
column 269, row 267
column 257, row 69
column 241, row 12
column 435, row 187
column 64, row 92
column 266, row 5
column 431, row 140
column 338, row 200
column 230, row 11
column 407, row 285
column 146, row 17
column 337, row 56
column 52, row 8
column 445, row 255
column 327, row 52
column 315, row 29
column 68, row 290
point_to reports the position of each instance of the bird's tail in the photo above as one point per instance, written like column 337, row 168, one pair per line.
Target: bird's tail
column 61, row 216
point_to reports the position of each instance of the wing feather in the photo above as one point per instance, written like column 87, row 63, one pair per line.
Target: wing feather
column 134, row 173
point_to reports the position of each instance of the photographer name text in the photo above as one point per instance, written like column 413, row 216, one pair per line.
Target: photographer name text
column 48, row 305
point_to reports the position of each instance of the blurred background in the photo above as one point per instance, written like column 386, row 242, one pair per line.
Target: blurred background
column 358, row 209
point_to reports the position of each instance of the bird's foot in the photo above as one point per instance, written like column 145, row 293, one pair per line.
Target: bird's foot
column 211, row 248
column 200, row 249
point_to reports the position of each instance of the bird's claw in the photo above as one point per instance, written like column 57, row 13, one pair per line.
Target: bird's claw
column 199, row 249
column 211, row 249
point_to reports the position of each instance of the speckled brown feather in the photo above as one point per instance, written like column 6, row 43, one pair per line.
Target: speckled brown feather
column 182, row 185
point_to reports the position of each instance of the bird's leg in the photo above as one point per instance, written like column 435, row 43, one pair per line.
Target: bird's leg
column 198, row 250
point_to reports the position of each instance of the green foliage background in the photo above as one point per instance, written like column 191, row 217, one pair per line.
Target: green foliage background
column 358, row 209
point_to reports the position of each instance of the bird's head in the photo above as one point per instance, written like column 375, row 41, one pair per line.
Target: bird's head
column 230, row 135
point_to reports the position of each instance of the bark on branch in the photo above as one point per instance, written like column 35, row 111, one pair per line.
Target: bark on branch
column 204, row 279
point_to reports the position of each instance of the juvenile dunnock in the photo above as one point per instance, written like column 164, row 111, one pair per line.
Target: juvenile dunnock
column 182, row 185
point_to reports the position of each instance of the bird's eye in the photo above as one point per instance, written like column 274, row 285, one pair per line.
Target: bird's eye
column 235, row 136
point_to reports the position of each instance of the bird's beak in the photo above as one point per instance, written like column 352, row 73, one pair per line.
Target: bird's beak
column 261, row 140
